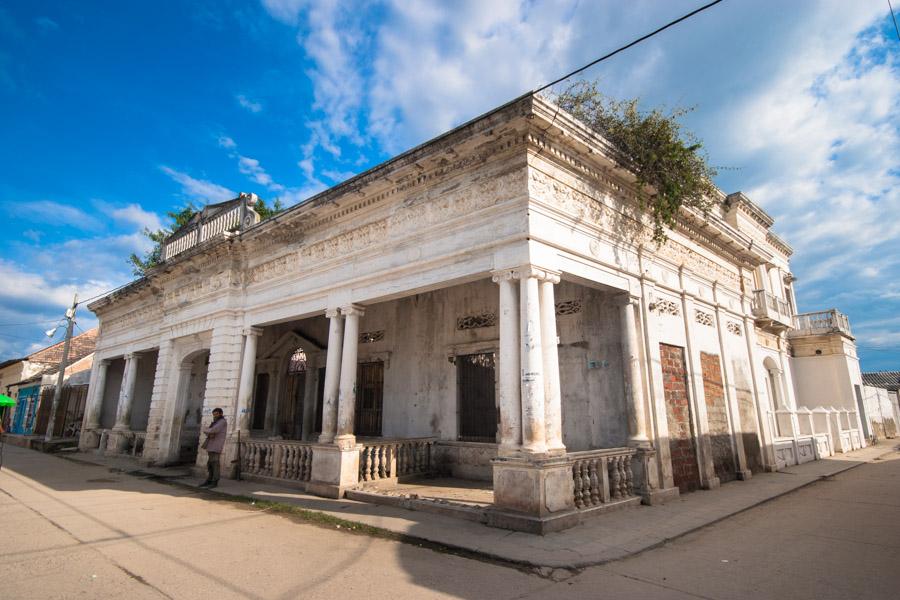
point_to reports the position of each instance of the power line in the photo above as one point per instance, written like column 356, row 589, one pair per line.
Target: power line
column 32, row 323
column 894, row 17
column 634, row 43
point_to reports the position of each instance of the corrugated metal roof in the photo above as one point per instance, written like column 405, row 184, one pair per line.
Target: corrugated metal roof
column 889, row 380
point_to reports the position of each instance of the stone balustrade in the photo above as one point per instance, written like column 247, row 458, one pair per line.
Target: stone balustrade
column 214, row 221
column 602, row 476
column 391, row 459
column 279, row 459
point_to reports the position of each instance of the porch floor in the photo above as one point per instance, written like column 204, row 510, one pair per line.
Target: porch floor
column 448, row 489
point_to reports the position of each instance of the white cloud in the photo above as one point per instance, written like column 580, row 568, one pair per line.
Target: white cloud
column 249, row 104
column 199, row 189
column 251, row 167
column 226, row 142
column 135, row 215
column 54, row 214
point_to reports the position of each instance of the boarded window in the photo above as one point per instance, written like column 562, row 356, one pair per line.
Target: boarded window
column 369, row 399
column 476, row 397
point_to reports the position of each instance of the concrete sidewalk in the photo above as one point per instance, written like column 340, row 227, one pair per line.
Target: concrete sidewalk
column 608, row 537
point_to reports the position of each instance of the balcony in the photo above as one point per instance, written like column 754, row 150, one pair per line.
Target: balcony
column 215, row 220
column 822, row 322
column 771, row 310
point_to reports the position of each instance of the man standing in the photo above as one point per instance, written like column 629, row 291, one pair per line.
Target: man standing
column 214, row 444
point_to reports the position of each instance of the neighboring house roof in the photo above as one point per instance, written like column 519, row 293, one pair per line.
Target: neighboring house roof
column 9, row 362
column 889, row 380
column 81, row 346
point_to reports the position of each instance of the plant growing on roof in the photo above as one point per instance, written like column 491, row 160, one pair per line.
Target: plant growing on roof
column 671, row 168
column 152, row 257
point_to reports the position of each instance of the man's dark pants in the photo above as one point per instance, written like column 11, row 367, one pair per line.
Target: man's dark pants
column 213, row 467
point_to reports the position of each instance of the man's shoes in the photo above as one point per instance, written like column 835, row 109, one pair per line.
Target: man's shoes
column 206, row 484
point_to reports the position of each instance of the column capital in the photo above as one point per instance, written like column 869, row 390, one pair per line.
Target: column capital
column 104, row 362
column 625, row 299
column 131, row 356
column 536, row 272
column 252, row 331
column 503, row 275
column 353, row 309
column 332, row 313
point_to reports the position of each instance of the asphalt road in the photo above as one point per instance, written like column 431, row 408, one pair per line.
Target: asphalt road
column 71, row 530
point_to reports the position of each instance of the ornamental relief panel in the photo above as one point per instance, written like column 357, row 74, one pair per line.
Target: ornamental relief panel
column 200, row 286
column 420, row 212
column 132, row 319
column 682, row 255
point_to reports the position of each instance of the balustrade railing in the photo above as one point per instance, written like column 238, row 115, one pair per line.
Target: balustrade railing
column 768, row 306
column 602, row 476
column 137, row 443
column 826, row 321
column 279, row 459
column 388, row 459
column 234, row 215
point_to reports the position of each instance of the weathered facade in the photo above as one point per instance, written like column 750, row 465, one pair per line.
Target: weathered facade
column 489, row 305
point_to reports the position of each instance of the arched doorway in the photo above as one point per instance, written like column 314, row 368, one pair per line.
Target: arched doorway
column 191, row 394
column 293, row 397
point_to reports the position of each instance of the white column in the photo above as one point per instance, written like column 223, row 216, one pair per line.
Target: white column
column 98, row 390
column 534, row 440
column 126, row 394
column 309, row 395
column 549, row 339
column 245, row 387
column 345, row 438
column 508, row 380
column 634, row 388
column 332, row 375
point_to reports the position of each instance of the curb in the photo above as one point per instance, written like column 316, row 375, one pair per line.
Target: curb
column 542, row 570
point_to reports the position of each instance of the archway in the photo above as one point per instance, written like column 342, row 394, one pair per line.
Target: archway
column 293, row 397
column 189, row 414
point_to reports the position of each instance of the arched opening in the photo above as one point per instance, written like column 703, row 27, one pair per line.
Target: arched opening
column 293, row 397
column 774, row 384
column 191, row 395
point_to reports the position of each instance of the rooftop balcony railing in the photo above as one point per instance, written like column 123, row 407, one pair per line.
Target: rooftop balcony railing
column 771, row 308
column 822, row 322
column 215, row 221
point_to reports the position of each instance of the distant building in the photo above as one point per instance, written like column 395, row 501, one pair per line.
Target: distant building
column 31, row 381
column 881, row 403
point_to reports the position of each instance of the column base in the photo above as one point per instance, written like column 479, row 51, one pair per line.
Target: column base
column 117, row 442
column 660, row 496
column 711, row 484
column 744, row 474
column 345, row 442
column 334, row 470
column 89, row 440
column 536, row 488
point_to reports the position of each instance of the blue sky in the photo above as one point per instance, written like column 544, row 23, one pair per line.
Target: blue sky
column 113, row 113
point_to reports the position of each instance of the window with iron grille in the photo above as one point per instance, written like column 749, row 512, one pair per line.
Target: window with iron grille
column 478, row 414
column 369, row 399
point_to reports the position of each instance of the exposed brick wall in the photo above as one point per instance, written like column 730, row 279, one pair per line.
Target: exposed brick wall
column 717, row 417
column 682, row 444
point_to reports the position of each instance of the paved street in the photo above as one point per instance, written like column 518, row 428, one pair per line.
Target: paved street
column 72, row 530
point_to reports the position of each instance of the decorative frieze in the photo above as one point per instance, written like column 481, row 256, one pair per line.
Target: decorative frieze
column 680, row 254
column 132, row 319
column 734, row 328
column 665, row 307
column 703, row 318
column 487, row 319
column 568, row 307
column 370, row 337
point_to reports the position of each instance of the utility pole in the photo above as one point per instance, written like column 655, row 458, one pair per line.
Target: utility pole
column 63, row 363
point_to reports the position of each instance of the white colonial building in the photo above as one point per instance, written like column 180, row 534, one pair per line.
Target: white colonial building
column 487, row 306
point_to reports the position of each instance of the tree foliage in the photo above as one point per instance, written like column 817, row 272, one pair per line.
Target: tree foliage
column 153, row 257
column 264, row 211
column 671, row 168
column 178, row 219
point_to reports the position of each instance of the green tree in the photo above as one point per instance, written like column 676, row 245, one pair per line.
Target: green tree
column 153, row 256
column 671, row 168
column 265, row 211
